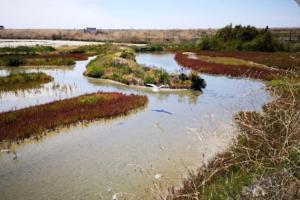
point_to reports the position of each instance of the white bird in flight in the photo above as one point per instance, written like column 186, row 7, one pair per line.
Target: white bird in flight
column 155, row 88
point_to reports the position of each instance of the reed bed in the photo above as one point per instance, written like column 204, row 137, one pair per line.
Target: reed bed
column 37, row 120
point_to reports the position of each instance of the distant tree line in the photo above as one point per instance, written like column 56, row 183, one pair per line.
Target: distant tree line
column 242, row 38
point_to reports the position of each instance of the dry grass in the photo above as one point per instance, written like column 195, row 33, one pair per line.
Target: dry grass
column 263, row 163
column 123, row 36
column 178, row 36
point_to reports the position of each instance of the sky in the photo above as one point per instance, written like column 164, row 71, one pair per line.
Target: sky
column 148, row 14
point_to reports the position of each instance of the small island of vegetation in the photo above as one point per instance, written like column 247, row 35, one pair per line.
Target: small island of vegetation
column 118, row 64
column 23, row 81
column 37, row 120
column 38, row 56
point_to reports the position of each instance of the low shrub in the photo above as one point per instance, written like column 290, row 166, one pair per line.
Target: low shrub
column 14, row 61
column 96, row 72
column 150, row 80
column 198, row 83
column 183, row 77
column 163, row 77
column 148, row 48
column 246, row 38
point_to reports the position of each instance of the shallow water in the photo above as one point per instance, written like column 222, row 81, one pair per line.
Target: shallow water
column 53, row 43
column 123, row 155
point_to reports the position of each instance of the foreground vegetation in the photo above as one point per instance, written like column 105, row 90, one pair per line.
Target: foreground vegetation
column 118, row 64
column 35, row 121
column 264, row 161
column 23, row 81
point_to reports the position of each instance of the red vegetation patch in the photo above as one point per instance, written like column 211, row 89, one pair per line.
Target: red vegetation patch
column 34, row 121
column 221, row 69
column 75, row 56
column 280, row 60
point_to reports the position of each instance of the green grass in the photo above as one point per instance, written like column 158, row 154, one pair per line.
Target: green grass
column 149, row 48
column 23, row 81
column 118, row 64
column 21, row 60
column 26, row 49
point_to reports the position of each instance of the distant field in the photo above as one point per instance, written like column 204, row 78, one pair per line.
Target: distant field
column 130, row 35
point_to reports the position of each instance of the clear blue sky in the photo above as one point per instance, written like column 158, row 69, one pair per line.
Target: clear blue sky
column 156, row 14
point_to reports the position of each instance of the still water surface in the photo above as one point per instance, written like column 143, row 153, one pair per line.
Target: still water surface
column 123, row 155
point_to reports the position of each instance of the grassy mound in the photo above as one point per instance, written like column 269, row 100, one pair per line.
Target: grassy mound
column 118, row 64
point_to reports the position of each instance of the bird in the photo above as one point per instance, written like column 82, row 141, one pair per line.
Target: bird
column 156, row 88
column 163, row 111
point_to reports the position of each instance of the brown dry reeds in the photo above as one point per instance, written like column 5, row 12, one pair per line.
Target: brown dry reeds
column 36, row 120
column 263, row 163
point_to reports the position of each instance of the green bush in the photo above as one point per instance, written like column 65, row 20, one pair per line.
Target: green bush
column 124, row 70
column 241, row 38
column 14, row 61
column 128, row 54
column 183, row 77
column 97, row 72
column 163, row 77
column 149, row 80
column 148, row 48
column 197, row 82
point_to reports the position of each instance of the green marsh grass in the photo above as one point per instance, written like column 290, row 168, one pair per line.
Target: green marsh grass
column 23, row 81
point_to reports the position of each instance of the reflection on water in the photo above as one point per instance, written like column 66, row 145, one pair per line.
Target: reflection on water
column 161, row 60
column 177, row 131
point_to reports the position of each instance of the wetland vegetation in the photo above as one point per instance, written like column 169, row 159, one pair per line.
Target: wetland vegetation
column 119, row 64
column 265, row 155
column 22, row 81
column 36, row 120
column 39, row 56
column 263, row 162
